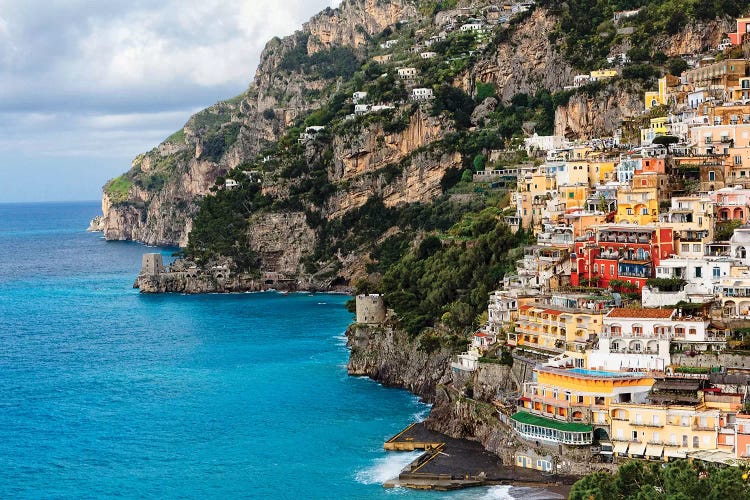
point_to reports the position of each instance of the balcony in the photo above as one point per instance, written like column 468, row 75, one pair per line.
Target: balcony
column 646, row 424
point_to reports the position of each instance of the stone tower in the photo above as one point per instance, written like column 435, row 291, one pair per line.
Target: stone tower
column 370, row 309
column 153, row 265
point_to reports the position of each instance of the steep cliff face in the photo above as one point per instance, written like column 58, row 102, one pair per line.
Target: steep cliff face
column 389, row 356
column 600, row 115
column 526, row 63
column 694, row 38
column 394, row 166
column 156, row 200
column 354, row 21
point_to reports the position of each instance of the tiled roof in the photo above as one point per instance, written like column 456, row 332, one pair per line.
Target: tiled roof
column 553, row 312
column 641, row 313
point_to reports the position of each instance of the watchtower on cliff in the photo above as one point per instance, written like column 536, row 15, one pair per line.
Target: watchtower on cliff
column 152, row 265
column 370, row 309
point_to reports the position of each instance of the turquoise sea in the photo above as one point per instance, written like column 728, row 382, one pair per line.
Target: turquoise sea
column 108, row 393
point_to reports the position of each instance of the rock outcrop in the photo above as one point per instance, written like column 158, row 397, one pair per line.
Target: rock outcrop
column 391, row 357
column 526, row 63
column 587, row 116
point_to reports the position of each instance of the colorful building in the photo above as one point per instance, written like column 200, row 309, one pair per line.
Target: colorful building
column 551, row 328
column 662, row 432
column 627, row 253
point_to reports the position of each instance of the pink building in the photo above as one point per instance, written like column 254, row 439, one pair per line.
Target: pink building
column 743, row 27
column 732, row 204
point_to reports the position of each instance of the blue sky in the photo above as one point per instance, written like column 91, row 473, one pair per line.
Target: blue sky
column 86, row 85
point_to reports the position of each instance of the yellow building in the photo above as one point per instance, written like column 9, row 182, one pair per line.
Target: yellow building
column 582, row 396
column 554, row 329
column 603, row 74
column 535, row 189
column 659, row 97
column 601, row 172
column 573, row 196
column 665, row 432
column 639, row 204
column 657, row 127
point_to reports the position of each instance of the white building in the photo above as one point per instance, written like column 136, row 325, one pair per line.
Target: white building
column 427, row 55
column 361, row 109
column 702, row 276
column 734, row 294
column 581, row 80
column 543, row 143
column 358, row 97
column 407, row 73
column 230, row 184
column 633, row 339
column 310, row 133
column 739, row 245
column 388, row 44
column 472, row 27
column 422, row 94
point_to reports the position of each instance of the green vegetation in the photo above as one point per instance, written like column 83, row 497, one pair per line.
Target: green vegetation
column 451, row 281
column 118, row 189
column 220, row 228
column 331, row 63
column 653, row 481
column 725, row 230
column 177, row 138
column 667, row 284
column 693, row 369
column 587, row 33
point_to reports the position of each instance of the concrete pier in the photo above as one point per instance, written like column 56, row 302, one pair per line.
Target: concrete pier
column 450, row 463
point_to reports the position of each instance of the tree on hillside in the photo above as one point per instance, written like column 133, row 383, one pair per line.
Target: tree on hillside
column 679, row 480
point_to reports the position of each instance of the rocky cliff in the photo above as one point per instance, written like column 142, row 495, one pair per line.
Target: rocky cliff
column 157, row 199
column 599, row 114
column 525, row 63
column 391, row 357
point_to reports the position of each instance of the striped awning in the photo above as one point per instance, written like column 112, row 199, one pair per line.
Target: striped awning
column 674, row 453
column 621, row 448
column 636, row 449
column 654, row 450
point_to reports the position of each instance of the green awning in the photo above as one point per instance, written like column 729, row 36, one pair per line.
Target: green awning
column 527, row 418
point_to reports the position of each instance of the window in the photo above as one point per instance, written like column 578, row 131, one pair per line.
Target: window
column 630, row 211
column 634, row 435
column 580, row 399
column 738, row 160
column 611, row 269
column 570, row 195
column 637, row 418
column 685, row 247
column 567, row 395
column 644, row 211
column 596, row 268
column 656, row 438
column 637, row 330
column 696, row 247
column 716, row 272
column 684, row 441
column 696, row 442
column 712, row 176
column 698, row 272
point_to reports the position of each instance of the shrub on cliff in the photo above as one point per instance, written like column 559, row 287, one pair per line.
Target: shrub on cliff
column 677, row 480
column 451, row 281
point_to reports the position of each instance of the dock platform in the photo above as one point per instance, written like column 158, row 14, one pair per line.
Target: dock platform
column 450, row 463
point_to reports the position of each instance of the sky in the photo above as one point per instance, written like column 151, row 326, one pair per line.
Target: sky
column 86, row 85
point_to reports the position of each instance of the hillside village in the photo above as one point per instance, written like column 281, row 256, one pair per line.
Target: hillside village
column 632, row 309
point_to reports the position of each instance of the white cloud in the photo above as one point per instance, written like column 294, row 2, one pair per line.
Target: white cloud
column 89, row 79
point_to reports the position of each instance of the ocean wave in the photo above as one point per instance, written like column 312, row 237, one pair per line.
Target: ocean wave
column 386, row 468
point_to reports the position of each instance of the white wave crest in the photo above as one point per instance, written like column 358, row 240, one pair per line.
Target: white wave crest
column 386, row 468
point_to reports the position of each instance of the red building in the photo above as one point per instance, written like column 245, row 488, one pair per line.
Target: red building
column 628, row 253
